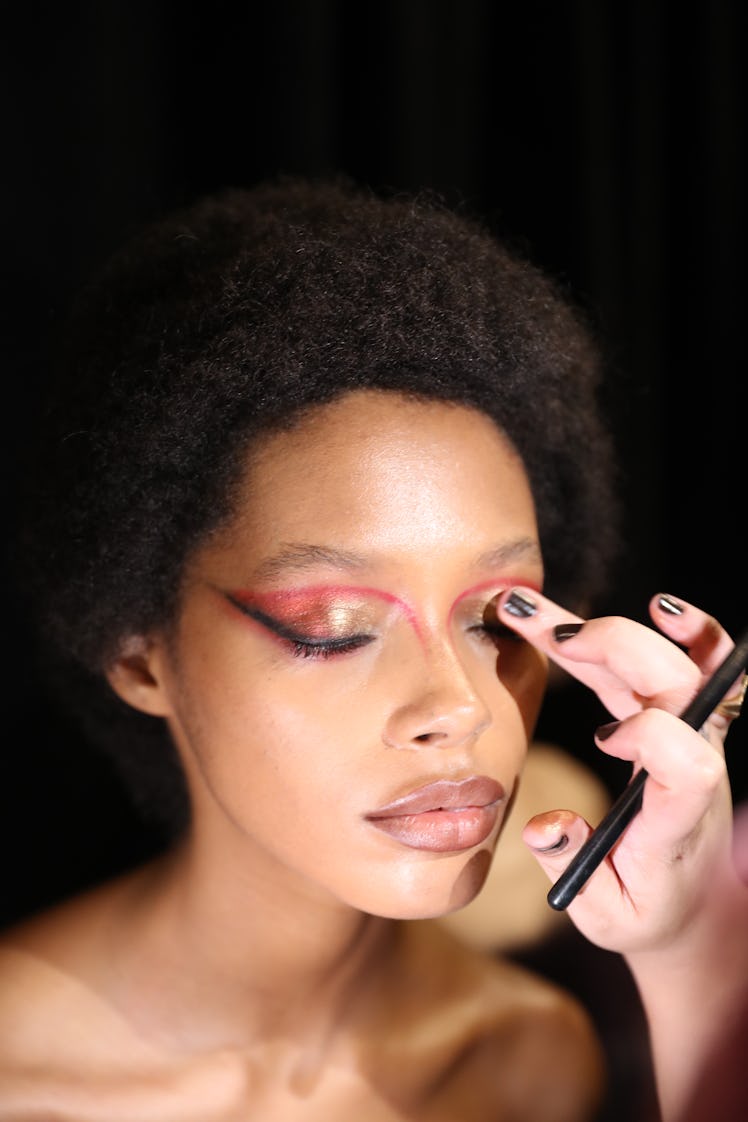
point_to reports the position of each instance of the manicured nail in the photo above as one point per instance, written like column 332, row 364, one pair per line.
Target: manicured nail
column 520, row 605
column 670, row 605
column 557, row 847
column 564, row 631
column 604, row 731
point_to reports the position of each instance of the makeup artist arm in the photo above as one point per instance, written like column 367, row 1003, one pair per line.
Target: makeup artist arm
column 668, row 897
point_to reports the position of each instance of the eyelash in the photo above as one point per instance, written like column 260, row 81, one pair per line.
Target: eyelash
column 327, row 648
column 495, row 632
column 304, row 647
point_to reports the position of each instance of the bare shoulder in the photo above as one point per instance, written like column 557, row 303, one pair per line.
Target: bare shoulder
column 520, row 1046
column 450, row 1032
column 53, row 1017
column 35, row 986
column 46, row 960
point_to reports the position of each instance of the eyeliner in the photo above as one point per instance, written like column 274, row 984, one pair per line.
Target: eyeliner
column 628, row 804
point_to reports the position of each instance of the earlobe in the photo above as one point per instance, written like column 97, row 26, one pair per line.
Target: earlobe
column 136, row 676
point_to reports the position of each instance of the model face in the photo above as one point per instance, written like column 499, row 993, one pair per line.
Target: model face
column 351, row 716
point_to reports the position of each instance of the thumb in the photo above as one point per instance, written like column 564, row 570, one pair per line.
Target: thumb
column 555, row 837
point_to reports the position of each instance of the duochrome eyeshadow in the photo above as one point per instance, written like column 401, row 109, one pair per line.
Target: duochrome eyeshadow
column 322, row 611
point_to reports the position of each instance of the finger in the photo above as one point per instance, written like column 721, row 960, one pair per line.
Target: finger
column 627, row 664
column 740, row 842
column 685, row 771
column 686, row 787
column 707, row 642
column 555, row 837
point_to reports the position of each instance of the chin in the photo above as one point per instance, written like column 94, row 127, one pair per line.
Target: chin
column 432, row 890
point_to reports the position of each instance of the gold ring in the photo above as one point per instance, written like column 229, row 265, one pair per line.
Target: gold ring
column 731, row 706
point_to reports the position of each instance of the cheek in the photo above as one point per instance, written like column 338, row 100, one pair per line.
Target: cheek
column 524, row 672
column 265, row 739
column 293, row 772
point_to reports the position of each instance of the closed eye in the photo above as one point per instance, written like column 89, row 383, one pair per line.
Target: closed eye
column 495, row 632
column 303, row 646
column 326, row 648
column 493, row 629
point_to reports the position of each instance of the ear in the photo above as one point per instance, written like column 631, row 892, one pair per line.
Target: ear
column 136, row 676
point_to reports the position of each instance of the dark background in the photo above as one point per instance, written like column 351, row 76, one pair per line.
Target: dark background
column 608, row 136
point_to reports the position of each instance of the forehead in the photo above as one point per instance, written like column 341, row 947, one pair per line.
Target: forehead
column 374, row 472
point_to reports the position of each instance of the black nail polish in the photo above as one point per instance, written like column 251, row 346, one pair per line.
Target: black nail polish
column 557, row 847
column 604, row 731
column 520, row 605
column 564, row 631
column 670, row 605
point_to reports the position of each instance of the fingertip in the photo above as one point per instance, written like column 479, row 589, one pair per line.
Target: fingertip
column 519, row 604
column 604, row 732
column 667, row 604
column 554, row 840
column 555, row 847
column 547, row 834
column 562, row 632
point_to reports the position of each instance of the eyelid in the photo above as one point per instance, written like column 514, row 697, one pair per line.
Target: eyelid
column 479, row 596
column 302, row 645
column 477, row 601
column 481, row 615
column 499, row 630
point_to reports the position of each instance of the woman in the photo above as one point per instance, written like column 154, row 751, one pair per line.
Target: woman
column 311, row 459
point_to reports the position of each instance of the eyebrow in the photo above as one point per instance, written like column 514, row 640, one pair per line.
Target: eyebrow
column 521, row 549
column 302, row 557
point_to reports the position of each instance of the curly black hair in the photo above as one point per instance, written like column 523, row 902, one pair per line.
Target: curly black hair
column 228, row 320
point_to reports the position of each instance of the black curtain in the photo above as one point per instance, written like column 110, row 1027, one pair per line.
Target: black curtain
column 607, row 138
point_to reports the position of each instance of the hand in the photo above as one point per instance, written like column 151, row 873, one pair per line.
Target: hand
column 650, row 890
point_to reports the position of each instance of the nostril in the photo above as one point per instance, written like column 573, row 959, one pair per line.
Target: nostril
column 425, row 726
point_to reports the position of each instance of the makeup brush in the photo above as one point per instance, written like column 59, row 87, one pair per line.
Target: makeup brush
column 628, row 804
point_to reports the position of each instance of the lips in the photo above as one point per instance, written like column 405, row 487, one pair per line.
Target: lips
column 444, row 816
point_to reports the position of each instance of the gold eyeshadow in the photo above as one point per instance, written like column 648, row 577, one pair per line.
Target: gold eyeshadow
column 332, row 619
column 335, row 613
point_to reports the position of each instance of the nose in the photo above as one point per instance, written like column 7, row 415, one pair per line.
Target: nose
column 443, row 709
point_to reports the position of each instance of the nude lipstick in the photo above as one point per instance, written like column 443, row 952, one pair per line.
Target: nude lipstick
column 446, row 816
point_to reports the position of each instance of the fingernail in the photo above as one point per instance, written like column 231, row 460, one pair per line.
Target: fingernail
column 564, row 631
column 520, row 605
column 670, row 605
column 557, row 847
column 604, row 731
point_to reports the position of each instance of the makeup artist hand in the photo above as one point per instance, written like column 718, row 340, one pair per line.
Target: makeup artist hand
column 668, row 896
column 651, row 887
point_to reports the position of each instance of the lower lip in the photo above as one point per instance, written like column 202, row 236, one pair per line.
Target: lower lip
column 441, row 831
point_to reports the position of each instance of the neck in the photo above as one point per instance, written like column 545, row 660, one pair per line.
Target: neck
column 234, row 951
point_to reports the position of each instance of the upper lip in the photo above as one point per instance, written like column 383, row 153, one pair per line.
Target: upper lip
column 444, row 794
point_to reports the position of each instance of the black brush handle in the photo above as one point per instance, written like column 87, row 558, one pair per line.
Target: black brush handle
column 628, row 804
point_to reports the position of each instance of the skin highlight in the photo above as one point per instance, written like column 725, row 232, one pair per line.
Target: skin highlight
column 286, row 758
column 424, row 690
